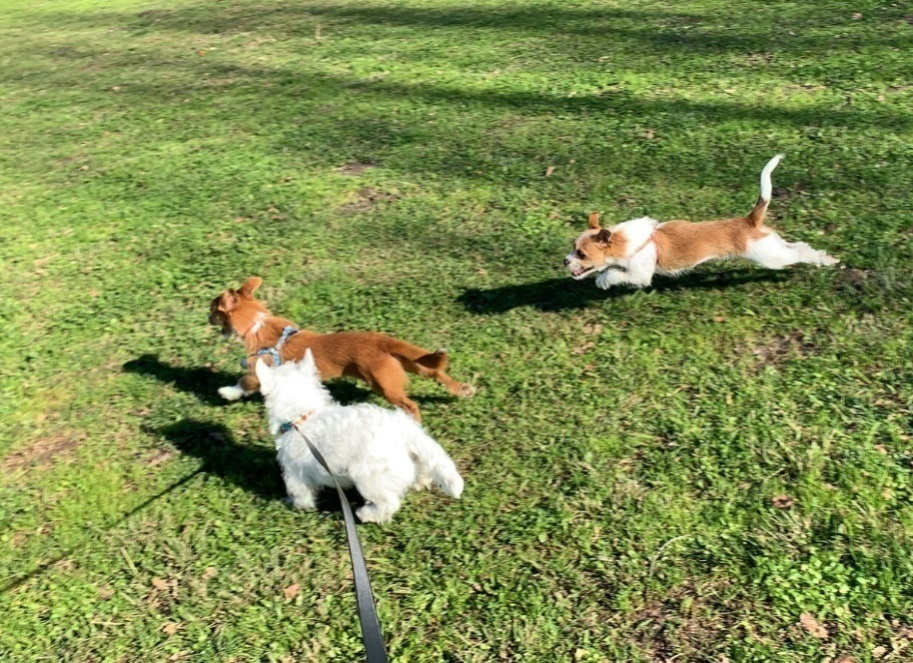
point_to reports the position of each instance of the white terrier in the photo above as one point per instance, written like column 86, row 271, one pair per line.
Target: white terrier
column 382, row 453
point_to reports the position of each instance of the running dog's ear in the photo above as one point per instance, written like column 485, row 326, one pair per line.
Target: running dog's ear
column 594, row 220
column 264, row 375
column 251, row 284
column 603, row 237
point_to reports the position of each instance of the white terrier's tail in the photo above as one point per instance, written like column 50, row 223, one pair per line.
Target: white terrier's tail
column 433, row 462
column 756, row 216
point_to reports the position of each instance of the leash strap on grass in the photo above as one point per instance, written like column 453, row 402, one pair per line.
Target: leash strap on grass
column 371, row 635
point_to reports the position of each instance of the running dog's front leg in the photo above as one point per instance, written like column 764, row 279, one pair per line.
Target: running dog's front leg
column 637, row 271
column 620, row 276
column 609, row 277
column 247, row 385
column 641, row 267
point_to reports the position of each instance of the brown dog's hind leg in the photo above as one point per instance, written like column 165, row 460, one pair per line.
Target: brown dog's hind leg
column 388, row 380
column 427, row 367
column 453, row 386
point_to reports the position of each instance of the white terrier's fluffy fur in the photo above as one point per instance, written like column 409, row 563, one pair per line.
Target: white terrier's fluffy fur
column 382, row 453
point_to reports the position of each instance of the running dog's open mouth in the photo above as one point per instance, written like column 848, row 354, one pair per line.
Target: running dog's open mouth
column 581, row 272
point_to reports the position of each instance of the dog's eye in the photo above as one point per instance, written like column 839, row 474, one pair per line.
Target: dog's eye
column 581, row 254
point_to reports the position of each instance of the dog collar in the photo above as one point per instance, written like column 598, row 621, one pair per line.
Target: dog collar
column 289, row 425
column 287, row 332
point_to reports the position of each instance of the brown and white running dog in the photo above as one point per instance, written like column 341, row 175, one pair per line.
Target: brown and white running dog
column 632, row 252
column 378, row 359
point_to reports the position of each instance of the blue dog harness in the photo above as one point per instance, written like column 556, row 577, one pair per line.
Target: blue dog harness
column 287, row 333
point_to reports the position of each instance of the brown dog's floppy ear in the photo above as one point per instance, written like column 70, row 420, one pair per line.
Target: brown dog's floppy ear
column 603, row 237
column 594, row 221
column 251, row 284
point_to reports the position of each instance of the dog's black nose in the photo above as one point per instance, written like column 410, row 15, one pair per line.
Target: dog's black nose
column 567, row 261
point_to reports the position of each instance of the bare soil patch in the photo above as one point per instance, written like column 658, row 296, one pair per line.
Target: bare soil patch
column 784, row 347
column 367, row 198
column 40, row 453
column 354, row 169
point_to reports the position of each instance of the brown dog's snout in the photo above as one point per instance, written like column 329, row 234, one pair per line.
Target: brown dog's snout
column 217, row 318
column 567, row 261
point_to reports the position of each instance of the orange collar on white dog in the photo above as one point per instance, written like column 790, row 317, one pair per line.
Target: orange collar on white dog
column 289, row 425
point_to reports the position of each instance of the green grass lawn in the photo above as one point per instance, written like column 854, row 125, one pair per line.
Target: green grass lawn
column 677, row 473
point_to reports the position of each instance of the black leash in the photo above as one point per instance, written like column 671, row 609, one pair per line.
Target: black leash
column 371, row 635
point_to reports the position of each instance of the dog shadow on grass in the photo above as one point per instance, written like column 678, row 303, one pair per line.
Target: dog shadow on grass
column 347, row 391
column 204, row 382
column 250, row 466
column 560, row 294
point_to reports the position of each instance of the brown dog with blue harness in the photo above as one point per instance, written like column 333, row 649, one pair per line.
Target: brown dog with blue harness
column 378, row 359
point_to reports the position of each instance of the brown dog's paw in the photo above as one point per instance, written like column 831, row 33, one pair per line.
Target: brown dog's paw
column 467, row 390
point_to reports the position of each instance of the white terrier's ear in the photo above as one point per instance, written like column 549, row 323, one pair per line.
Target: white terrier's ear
column 307, row 364
column 265, row 375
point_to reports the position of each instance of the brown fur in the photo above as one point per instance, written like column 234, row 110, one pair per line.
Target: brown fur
column 378, row 359
column 683, row 244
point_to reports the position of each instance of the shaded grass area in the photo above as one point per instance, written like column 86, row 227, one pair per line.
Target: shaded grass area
column 670, row 474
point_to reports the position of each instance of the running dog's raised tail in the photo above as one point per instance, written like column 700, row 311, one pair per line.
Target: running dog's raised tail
column 756, row 216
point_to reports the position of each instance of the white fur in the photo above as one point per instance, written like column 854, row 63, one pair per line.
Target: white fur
column 258, row 322
column 382, row 453
column 774, row 252
column 766, row 186
column 637, row 232
column 232, row 393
